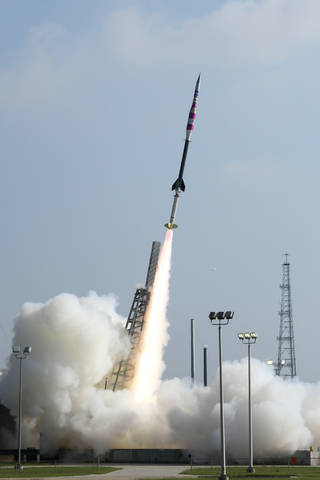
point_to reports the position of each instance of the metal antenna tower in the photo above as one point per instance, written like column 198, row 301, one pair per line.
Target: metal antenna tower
column 123, row 372
column 286, row 364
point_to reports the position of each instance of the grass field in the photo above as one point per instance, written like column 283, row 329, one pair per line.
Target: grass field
column 53, row 471
column 261, row 472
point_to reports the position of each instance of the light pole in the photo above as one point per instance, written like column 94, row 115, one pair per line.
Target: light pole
column 192, row 351
column 205, row 368
column 248, row 338
column 20, row 355
column 219, row 319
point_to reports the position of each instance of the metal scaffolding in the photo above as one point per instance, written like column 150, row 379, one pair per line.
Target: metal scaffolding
column 123, row 371
column 286, row 364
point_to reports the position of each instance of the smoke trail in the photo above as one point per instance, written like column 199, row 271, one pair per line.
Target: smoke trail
column 149, row 365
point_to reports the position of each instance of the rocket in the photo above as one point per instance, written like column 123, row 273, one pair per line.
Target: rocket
column 179, row 185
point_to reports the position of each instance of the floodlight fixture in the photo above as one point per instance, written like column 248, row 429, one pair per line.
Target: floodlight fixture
column 270, row 362
column 248, row 337
column 27, row 350
column 221, row 318
column 16, row 349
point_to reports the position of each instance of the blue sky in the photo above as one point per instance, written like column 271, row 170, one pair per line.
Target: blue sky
column 94, row 98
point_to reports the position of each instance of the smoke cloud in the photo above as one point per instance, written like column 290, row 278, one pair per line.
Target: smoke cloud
column 77, row 340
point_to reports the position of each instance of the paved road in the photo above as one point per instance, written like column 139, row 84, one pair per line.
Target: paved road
column 129, row 472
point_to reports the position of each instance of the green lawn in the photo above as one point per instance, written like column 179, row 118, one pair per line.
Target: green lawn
column 53, row 471
column 261, row 472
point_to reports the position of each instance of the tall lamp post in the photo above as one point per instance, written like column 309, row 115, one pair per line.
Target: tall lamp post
column 192, row 351
column 248, row 338
column 20, row 355
column 205, row 363
column 220, row 319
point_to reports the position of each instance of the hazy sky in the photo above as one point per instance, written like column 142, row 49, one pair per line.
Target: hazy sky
column 94, row 99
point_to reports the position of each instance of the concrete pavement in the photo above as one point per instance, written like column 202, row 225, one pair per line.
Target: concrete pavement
column 130, row 472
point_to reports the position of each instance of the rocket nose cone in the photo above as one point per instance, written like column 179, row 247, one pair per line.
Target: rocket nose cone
column 198, row 82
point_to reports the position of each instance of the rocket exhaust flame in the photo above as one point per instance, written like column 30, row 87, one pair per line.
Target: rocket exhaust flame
column 149, row 365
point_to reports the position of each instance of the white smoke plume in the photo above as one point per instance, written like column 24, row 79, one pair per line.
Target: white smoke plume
column 76, row 340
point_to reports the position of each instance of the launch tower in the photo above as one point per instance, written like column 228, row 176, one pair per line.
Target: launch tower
column 286, row 363
column 123, row 372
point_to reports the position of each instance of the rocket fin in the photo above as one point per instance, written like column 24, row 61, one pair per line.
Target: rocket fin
column 179, row 183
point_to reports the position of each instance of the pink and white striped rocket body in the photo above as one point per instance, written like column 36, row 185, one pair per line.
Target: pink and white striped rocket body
column 193, row 110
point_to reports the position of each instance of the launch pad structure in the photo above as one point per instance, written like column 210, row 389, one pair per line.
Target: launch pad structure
column 123, row 371
column 286, row 363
